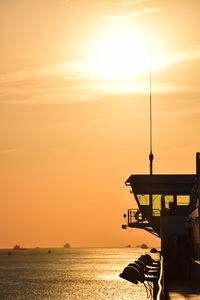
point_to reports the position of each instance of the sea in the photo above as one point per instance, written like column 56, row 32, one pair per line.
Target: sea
column 68, row 274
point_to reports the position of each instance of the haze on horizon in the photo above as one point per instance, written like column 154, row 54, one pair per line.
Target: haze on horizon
column 74, row 114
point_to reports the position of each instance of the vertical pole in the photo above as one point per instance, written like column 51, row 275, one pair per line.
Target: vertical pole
column 150, row 111
column 198, row 188
column 151, row 162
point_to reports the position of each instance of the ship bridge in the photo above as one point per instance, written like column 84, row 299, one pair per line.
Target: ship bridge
column 159, row 194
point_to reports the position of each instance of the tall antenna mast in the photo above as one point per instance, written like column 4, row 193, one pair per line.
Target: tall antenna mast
column 150, row 111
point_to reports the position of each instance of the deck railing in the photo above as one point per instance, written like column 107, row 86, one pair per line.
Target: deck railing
column 161, row 288
column 135, row 215
column 131, row 215
column 156, row 212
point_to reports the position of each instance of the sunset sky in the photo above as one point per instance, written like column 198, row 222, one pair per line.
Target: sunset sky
column 74, row 113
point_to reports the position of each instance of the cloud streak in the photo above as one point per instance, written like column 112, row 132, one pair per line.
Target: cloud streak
column 135, row 2
column 69, row 82
column 187, row 55
column 9, row 151
column 128, row 17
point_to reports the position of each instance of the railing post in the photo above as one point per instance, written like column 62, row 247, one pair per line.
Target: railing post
column 155, row 290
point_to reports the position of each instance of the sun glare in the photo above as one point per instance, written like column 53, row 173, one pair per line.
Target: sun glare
column 122, row 53
column 120, row 59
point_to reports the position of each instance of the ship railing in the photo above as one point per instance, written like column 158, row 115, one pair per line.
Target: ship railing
column 156, row 212
column 135, row 215
column 131, row 215
column 161, row 294
column 182, row 204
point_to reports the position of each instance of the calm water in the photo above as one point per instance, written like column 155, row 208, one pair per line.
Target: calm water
column 76, row 273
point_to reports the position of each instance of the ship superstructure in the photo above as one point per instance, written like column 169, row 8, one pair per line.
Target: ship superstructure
column 168, row 207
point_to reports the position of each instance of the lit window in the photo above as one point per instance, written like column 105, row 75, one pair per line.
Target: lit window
column 183, row 199
column 156, row 201
column 143, row 199
column 156, row 212
column 168, row 199
column 156, row 205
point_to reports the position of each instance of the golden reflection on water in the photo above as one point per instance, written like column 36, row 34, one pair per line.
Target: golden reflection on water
column 68, row 274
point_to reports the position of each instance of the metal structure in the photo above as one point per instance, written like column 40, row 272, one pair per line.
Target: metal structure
column 168, row 207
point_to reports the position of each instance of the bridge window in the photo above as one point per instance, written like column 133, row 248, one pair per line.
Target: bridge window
column 143, row 199
column 156, row 205
column 183, row 200
column 168, row 200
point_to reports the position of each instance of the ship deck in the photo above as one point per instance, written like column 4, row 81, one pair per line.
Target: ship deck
column 187, row 289
column 184, row 290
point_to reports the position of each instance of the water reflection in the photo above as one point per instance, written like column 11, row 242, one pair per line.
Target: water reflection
column 69, row 274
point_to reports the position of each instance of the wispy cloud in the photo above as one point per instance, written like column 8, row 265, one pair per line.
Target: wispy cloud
column 73, row 69
column 133, row 15
column 66, row 82
column 9, row 151
column 191, row 54
column 134, row 2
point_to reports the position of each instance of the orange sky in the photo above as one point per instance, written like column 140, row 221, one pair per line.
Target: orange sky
column 74, row 113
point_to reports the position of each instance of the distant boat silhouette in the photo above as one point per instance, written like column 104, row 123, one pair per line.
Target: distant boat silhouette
column 142, row 246
column 17, row 247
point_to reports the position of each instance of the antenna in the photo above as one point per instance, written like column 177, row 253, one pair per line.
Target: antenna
column 150, row 112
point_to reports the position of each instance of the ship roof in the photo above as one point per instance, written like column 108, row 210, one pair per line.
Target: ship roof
column 162, row 183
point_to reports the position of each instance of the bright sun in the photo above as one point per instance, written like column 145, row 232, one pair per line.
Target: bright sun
column 122, row 53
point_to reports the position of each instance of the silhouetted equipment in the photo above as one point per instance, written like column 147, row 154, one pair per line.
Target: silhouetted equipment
column 141, row 270
column 151, row 163
column 140, row 263
column 136, row 266
column 154, row 250
column 124, row 226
